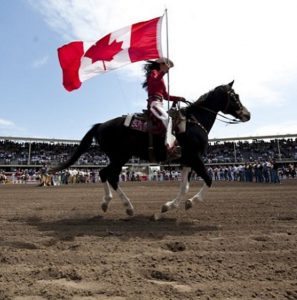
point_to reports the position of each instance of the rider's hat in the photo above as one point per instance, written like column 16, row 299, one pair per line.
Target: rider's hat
column 165, row 60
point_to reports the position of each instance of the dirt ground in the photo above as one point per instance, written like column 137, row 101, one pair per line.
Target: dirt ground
column 240, row 243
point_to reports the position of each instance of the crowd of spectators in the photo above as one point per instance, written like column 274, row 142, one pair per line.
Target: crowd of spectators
column 260, row 172
column 220, row 152
column 254, row 161
column 14, row 153
column 256, row 150
column 265, row 172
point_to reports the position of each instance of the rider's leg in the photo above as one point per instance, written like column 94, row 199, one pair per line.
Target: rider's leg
column 157, row 109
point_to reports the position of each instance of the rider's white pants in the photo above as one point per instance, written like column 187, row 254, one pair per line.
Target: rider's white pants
column 159, row 112
column 157, row 109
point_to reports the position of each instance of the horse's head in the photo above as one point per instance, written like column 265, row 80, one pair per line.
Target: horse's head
column 233, row 105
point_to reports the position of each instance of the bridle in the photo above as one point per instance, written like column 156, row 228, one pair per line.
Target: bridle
column 231, row 95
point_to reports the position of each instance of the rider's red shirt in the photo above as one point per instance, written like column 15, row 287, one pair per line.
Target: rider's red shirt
column 156, row 86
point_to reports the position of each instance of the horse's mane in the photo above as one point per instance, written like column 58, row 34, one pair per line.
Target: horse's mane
column 202, row 99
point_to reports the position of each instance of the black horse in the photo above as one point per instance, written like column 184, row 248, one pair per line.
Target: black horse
column 120, row 143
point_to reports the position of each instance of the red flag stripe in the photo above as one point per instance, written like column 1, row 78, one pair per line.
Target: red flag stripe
column 79, row 64
column 144, row 40
column 70, row 56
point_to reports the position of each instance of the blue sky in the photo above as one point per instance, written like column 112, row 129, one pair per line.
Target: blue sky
column 211, row 42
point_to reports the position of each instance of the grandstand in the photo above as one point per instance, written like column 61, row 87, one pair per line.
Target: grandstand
column 251, row 159
column 27, row 152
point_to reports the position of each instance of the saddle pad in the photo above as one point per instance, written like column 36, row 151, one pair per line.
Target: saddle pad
column 136, row 123
column 140, row 123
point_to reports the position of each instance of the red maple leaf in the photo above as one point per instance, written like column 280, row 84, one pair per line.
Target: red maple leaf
column 104, row 51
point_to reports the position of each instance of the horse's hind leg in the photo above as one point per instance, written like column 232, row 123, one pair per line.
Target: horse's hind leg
column 107, row 197
column 108, row 194
column 197, row 197
column 127, row 203
column 184, row 187
column 110, row 175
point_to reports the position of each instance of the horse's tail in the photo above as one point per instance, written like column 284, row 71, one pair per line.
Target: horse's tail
column 82, row 148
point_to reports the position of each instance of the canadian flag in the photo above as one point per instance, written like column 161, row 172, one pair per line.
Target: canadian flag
column 83, row 60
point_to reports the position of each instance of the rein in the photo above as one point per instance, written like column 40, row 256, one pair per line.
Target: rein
column 230, row 120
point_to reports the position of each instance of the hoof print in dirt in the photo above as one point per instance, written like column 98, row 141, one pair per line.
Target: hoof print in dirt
column 56, row 273
column 161, row 276
column 176, row 246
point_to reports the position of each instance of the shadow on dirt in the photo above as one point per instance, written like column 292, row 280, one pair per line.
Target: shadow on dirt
column 138, row 226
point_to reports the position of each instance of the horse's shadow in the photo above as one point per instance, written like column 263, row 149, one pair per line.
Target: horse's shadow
column 139, row 226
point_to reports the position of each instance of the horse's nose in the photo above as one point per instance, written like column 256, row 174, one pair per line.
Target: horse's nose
column 245, row 115
column 248, row 116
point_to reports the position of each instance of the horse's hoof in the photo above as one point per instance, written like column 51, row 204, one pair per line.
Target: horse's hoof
column 130, row 212
column 104, row 207
column 164, row 208
column 188, row 204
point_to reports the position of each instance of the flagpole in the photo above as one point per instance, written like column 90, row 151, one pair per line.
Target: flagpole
column 167, row 49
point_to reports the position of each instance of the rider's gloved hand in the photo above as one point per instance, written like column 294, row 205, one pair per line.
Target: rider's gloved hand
column 179, row 99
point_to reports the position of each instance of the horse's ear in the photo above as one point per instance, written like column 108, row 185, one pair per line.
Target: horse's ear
column 231, row 83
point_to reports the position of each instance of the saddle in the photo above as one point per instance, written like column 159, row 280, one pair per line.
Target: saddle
column 147, row 122
column 144, row 122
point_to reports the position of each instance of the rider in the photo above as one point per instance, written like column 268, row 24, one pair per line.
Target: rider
column 155, row 86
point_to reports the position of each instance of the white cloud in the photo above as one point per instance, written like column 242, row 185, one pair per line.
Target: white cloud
column 9, row 128
column 5, row 123
column 40, row 62
column 76, row 19
column 211, row 42
column 286, row 127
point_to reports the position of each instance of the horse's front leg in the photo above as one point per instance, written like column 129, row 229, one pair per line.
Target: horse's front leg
column 199, row 168
column 197, row 197
column 184, row 187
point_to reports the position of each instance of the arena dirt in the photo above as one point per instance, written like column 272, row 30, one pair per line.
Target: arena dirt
column 241, row 243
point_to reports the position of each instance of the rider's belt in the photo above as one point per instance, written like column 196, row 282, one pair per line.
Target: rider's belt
column 155, row 97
